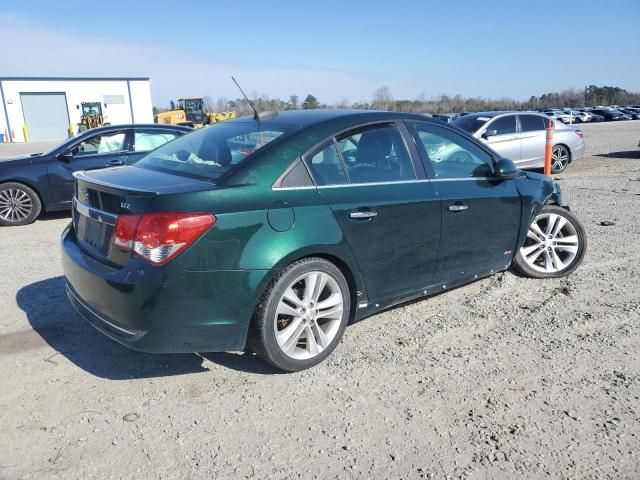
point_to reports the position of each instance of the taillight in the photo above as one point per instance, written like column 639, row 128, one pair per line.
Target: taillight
column 579, row 133
column 158, row 237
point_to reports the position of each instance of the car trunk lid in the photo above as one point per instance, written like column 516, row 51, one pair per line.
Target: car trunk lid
column 102, row 195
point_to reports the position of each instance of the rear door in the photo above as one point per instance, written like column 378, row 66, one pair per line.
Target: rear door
column 100, row 150
column 506, row 141
column 386, row 208
column 480, row 214
column 145, row 140
column 532, row 140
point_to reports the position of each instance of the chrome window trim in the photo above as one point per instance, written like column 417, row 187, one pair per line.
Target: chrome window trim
column 397, row 182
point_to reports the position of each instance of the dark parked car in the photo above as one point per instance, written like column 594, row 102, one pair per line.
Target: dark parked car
column 610, row 114
column 632, row 112
column 29, row 185
column 275, row 233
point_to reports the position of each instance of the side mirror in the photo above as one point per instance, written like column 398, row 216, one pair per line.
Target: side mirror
column 506, row 169
column 65, row 156
column 489, row 133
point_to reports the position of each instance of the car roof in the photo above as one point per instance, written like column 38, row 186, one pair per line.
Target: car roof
column 305, row 118
column 120, row 126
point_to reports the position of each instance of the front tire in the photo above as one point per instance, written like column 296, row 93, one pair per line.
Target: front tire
column 301, row 317
column 555, row 245
column 19, row 204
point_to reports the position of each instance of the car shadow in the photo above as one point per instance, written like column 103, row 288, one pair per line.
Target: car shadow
column 55, row 320
column 634, row 154
column 55, row 215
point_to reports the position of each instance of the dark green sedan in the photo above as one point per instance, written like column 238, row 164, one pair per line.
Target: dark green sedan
column 273, row 232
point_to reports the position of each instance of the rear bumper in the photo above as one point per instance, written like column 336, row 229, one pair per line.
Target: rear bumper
column 577, row 150
column 162, row 309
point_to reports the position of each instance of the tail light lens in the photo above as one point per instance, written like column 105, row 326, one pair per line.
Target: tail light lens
column 159, row 237
column 579, row 133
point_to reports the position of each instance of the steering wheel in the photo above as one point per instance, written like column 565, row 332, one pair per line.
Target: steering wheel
column 460, row 157
column 363, row 172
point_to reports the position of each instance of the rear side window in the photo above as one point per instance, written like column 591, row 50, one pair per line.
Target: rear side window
column 504, row 125
column 212, row 151
column 144, row 141
column 532, row 123
column 376, row 154
column 326, row 166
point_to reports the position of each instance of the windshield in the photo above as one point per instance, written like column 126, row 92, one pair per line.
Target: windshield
column 212, row 151
column 193, row 105
column 471, row 123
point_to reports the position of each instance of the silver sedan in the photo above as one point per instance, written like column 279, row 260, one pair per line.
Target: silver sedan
column 521, row 137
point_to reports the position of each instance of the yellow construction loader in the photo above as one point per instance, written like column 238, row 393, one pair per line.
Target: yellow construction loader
column 191, row 112
column 92, row 116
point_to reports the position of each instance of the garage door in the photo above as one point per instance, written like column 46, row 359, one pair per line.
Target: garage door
column 45, row 115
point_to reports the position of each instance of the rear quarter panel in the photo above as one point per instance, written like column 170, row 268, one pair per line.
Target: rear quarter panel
column 261, row 230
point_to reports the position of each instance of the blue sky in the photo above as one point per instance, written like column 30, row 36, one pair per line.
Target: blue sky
column 332, row 49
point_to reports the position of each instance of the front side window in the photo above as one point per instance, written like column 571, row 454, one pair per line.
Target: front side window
column 212, row 151
column 450, row 154
column 145, row 141
column 503, row 125
column 326, row 166
column 376, row 153
column 532, row 123
column 100, row 144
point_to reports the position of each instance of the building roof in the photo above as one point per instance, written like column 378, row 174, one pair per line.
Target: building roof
column 2, row 79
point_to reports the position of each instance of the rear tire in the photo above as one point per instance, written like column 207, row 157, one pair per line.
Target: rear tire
column 302, row 315
column 560, row 158
column 555, row 245
column 19, row 204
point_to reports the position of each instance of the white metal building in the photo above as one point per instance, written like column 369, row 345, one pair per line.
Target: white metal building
column 49, row 108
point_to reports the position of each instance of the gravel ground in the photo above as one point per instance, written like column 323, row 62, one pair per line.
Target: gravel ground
column 502, row 377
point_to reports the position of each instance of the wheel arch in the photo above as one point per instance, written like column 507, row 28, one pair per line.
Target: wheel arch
column 345, row 262
column 43, row 205
column 561, row 144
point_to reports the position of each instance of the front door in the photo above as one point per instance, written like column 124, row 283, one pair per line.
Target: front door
column 480, row 214
column 389, row 216
column 505, row 139
column 95, row 151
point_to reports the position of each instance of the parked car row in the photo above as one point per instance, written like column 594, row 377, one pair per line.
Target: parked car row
column 570, row 115
column 328, row 217
column 272, row 233
column 594, row 114
column 521, row 137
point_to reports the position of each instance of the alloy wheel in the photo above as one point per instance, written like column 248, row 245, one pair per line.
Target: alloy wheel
column 552, row 243
column 559, row 158
column 308, row 315
column 15, row 205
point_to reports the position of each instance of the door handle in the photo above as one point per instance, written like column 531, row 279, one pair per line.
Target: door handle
column 458, row 207
column 115, row 163
column 363, row 214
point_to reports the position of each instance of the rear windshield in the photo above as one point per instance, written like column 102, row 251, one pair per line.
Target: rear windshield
column 471, row 123
column 212, row 151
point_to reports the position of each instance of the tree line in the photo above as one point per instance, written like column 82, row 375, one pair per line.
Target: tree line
column 383, row 99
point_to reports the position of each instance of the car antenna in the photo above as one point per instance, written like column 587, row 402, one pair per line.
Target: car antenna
column 257, row 116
